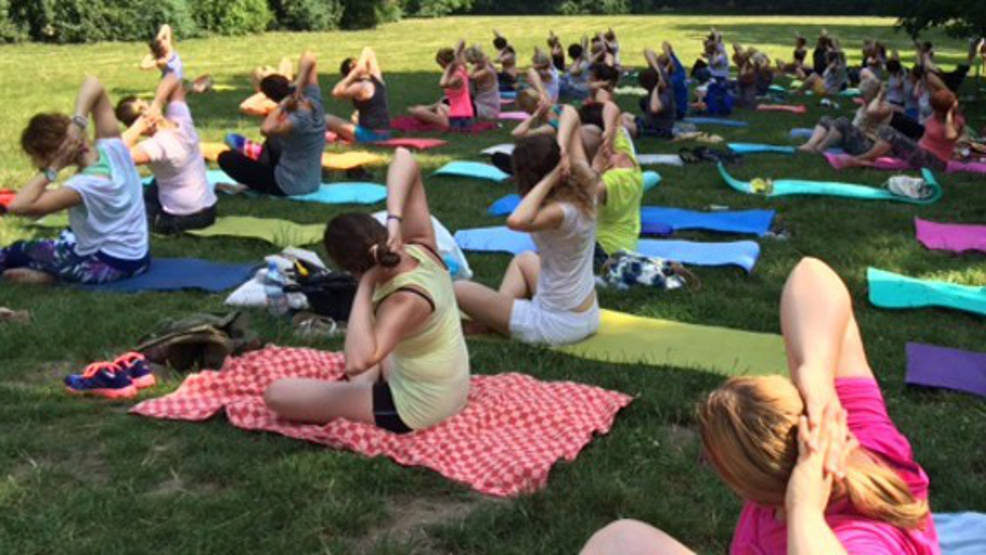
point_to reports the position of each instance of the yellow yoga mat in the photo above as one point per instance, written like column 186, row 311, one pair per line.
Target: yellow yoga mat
column 624, row 338
column 281, row 233
column 210, row 151
column 350, row 160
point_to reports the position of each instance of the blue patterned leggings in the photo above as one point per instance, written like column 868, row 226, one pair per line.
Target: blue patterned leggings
column 58, row 258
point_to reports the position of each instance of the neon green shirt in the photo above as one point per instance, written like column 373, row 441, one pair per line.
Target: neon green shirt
column 618, row 220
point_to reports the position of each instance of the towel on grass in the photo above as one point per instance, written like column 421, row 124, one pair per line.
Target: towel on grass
column 890, row 290
column 281, row 233
column 628, row 339
column 513, row 429
column 941, row 367
column 951, row 237
column 176, row 274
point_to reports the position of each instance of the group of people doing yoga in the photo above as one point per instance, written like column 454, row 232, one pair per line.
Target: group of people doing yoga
column 815, row 457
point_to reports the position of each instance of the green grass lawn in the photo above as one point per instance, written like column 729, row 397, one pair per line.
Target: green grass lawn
column 83, row 476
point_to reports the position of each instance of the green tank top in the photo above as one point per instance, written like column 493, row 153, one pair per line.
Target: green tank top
column 430, row 375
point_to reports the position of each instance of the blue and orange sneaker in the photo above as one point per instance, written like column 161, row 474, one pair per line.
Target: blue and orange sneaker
column 103, row 379
column 135, row 367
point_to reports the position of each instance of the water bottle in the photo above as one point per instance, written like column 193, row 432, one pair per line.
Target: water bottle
column 277, row 301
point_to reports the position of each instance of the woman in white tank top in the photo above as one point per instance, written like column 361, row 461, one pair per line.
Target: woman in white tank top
column 548, row 297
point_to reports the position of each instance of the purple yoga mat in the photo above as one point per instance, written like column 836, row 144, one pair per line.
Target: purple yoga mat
column 931, row 366
column 951, row 237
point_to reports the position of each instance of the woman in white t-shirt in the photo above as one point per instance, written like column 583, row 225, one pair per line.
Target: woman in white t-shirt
column 548, row 297
column 180, row 197
column 108, row 238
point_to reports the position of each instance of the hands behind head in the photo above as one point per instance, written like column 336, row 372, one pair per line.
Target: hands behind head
column 823, row 452
column 69, row 150
column 395, row 239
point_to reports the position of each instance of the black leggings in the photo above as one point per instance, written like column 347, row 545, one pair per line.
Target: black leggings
column 258, row 175
column 169, row 224
column 910, row 128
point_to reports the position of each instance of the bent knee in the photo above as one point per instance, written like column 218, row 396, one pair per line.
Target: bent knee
column 277, row 397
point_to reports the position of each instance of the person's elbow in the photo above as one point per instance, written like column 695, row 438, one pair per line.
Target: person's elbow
column 517, row 223
column 307, row 57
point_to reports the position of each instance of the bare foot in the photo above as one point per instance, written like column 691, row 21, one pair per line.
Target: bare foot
column 27, row 276
column 18, row 316
column 808, row 149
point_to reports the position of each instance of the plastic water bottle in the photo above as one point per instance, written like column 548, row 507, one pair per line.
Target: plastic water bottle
column 277, row 301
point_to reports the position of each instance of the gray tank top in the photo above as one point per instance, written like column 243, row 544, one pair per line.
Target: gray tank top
column 374, row 113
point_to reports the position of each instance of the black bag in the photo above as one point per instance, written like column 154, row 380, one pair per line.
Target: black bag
column 329, row 293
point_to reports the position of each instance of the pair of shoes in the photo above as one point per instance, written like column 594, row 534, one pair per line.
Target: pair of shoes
column 119, row 379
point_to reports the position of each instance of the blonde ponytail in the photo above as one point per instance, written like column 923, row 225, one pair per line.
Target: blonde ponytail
column 878, row 492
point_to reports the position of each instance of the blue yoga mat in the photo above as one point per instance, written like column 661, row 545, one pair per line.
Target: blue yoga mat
column 656, row 219
column 961, row 533
column 890, row 290
column 502, row 239
column 801, row 133
column 504, row 206
column 345, row 193
column 214, row 177
column 173, row 274
column 783, row 187
column 476, row 170
column 716, row 121
column 757, row 148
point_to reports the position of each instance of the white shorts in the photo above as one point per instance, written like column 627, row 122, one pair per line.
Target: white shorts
column 532, row 323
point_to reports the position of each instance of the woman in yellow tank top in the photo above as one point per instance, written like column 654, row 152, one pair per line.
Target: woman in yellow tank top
column 407, row 366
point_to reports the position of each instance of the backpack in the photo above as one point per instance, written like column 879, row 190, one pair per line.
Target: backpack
column 201, row 340
column 329, row 293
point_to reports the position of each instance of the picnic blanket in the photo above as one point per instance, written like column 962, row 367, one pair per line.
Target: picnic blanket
column 513, row 429
column 783, row 187
column 941, row 367
column 628, row 339
column 409, row 124
column 961, row 533
column 890, row 290
column 789, row 108
column 654, row 219
column 175, row 274
column 758, row 148
column 281, row 233
column 716, row 121
column 735, row 253
column 476, row 170
column 951, row 237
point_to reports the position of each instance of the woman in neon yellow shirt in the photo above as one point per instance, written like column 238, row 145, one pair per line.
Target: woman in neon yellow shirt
column 407, row 366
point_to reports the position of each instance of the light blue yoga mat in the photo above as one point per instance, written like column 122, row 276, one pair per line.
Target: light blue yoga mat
column 737, row 253
column 890, row 290
column 505, row 205
column 476, row 170
column 961, row 533
column 345, row 193
column 801, row 133
column 214, row 177
column 656, row 218
column 783, row 187
column 757, row 148
column 699, row 120
column 174, row 274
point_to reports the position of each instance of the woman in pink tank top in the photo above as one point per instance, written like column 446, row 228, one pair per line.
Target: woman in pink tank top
column 455, row 109
column 819, row 464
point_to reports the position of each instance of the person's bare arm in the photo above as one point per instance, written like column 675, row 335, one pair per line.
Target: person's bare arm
column 530, row 215
column 34, row 199
column 951, row 130
column 368, row 61
column 408, row 217
column 93, row 101
column 169, row 89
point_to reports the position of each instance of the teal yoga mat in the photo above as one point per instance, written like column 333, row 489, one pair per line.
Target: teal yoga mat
column 757, row 148
column 476, row 170
column 890, row 290
column 784, row 187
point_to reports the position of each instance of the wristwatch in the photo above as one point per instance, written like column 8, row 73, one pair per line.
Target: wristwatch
column 81, row 121
column 50, row 174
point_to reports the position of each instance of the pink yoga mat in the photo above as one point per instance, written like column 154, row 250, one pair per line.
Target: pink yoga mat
column 954, row 166
column 518, row 115
column 513, row 429
column 951, row 237
column 794, row 109
column 411, row 142
column 409, row 124
column 841, row 161
column 931, row 366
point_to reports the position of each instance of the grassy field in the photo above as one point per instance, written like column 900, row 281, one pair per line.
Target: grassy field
column 82, row 476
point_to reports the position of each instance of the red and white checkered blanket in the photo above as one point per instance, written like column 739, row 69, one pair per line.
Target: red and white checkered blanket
column 504, row 442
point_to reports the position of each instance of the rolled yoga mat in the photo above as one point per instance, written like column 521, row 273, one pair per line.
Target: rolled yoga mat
column 757, row 148
column 784, row 187
column 475, row 170
column 951, row 237
column 627, row 339
column 941, row 367
column 890, row 290
column 505, row 205
column 280, row 233
column 175, row 274
column 735, row 253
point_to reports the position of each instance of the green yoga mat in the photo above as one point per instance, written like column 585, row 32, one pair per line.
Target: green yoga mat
column 627, row 339
column 281, row 233
column 890, row 290
column 783, row 187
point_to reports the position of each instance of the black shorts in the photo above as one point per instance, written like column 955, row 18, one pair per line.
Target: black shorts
column 385, row 412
